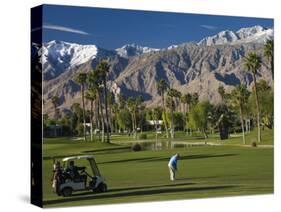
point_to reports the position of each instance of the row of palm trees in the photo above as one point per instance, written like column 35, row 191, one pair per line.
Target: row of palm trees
column 96, row 84
column 94, row 88
column 171, row 99
column 252, row 63
column 240, row 95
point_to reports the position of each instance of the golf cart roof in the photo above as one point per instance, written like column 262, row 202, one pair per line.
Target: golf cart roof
column 78, row 157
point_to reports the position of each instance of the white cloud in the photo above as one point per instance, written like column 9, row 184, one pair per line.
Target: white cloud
column 210, row 27
column 64, row 29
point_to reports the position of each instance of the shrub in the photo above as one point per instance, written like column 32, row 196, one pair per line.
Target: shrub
column 142, row 136
column 136, row 147
column 254, row 144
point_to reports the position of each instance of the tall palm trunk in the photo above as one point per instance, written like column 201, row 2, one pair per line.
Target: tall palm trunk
column 106, row 112
column 102, row 121
column 164, row 114
column 258, row 109
column 205, row 135
column 84, row 119
column 98, row 116
column 242, row 123
column 172, row 123
column 136, row 130
column 91, row 117
column 111, row 120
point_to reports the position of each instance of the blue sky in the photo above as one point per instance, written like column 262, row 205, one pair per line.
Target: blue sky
column 111, row 28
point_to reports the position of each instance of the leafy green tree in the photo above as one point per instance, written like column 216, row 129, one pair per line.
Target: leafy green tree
column 186, row 100
column 199, row 116
column 162, row 87
column 124, row 119
column 266, row 103
column 66, row 124
column 76, row 117
column 194, row 99
column 269, row 54
column 178, row 120
column 239, row 100
column 173, row 95
column 134, row 104
column 222, row 120
column 252, row 63
column 81, row 79
column 156, row 114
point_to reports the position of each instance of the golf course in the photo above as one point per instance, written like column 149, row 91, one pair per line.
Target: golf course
column 206, row 168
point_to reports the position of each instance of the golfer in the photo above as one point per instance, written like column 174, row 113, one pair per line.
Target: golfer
column 173, row 166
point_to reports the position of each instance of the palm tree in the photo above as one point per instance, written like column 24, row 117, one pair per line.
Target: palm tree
column 76, row 111
column 100, row 112
column 55, row 102
column 81, row 79
column 103, row 69
column 186, row 100
column 172, row 94
column 110, row 100
column 114, row 114
column 239, row 98
column 252, row 63
column 91, row 95
column 94, row 83
column 139, row 109
column 162, row 87
column 269, row 54
column 131, row 103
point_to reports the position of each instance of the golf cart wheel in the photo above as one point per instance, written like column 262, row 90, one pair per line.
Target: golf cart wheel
column 102, row 187
column 66, row 192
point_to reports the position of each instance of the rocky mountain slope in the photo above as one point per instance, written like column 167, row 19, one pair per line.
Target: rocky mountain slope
column 191, row 67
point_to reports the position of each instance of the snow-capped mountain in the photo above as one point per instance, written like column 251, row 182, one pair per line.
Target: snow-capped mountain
column 172, row 46
column 257, row 34
column 194, row 67
column 59, row 56
column 130, row 50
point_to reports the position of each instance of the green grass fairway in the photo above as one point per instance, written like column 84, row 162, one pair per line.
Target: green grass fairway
column 205, row 171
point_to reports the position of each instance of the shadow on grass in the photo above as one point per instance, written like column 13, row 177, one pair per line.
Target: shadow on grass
column 192, row 157
column 102, row 151
column 130, row 160
column 151, row 159
column 107, row 149
column 164, row 189
column 138, row 188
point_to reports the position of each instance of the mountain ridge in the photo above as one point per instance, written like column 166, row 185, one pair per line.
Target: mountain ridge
column 188, row 67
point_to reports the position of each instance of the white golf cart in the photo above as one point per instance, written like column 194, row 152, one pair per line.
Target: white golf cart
column 65, row 184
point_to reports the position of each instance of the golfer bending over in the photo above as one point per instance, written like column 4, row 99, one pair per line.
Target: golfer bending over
column 173, row 166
